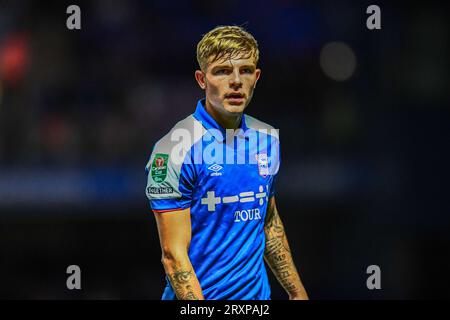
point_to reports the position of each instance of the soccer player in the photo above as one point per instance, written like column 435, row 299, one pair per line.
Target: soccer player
column 211, row 185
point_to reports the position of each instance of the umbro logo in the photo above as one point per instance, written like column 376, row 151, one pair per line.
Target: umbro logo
column 215, row 168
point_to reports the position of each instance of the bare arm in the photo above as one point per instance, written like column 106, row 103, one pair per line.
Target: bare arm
column 174, row 230
column 278, row 255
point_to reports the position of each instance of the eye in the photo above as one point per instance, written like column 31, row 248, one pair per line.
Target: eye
column 221, row 72
column 247, row 70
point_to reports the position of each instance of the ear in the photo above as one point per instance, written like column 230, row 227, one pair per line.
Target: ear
column 257, row 74
column 201, row 79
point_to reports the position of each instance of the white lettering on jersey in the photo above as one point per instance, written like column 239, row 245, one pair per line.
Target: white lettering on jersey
column 244, row 215
column 248, row 196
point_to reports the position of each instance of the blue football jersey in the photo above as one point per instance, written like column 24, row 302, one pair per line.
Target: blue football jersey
column 226, row 178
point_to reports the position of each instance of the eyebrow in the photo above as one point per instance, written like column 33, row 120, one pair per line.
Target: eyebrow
column 221, row 66
column 230, row 67
column 251, row 66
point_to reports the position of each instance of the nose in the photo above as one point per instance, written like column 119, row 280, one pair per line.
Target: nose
column 235, row 80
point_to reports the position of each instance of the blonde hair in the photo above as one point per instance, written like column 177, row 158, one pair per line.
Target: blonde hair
column 226, row 42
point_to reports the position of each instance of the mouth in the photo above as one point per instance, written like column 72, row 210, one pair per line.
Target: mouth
column 235, row 98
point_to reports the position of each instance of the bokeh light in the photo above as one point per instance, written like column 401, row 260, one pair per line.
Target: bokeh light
column 338, row 61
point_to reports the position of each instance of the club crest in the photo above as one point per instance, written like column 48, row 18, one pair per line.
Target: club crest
column 263, row 164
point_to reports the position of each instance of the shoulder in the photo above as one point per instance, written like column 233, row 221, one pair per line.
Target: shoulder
column 170, row 139
column 176, row 144
column 258, row 125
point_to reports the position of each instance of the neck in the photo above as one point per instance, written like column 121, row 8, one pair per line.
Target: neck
column 226, row 121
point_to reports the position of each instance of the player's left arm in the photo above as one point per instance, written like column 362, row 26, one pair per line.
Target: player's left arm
column 278, row 254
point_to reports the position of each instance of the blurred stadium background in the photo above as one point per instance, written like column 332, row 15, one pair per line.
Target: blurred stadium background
column 363, row 119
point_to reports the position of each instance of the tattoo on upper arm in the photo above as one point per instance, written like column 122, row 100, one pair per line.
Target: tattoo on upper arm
column 180, row 280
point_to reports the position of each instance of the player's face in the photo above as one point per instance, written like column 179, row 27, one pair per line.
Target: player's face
column 229, row 84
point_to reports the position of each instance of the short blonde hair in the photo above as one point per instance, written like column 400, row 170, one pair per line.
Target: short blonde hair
column 226, row 42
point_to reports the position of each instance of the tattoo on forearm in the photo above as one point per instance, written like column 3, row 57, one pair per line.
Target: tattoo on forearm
column 180, row 280
column 277, row 253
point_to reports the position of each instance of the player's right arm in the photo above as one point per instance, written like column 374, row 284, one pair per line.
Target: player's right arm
column 171, row 179
column 174, row 230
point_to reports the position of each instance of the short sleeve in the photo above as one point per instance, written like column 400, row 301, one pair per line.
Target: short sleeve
column 272, row 188
column 169, row 184
column 275, row 161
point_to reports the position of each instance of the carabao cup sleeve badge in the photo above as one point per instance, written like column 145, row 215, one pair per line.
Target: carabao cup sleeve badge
column 159, row 167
